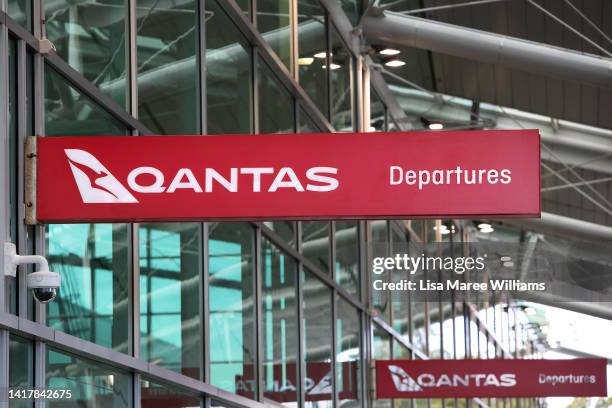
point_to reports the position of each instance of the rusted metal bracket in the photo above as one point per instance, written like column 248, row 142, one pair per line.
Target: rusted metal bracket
column 31, row 154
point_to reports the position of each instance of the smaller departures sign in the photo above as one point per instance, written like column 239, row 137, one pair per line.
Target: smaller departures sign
column 302, row 176
column 582, row 377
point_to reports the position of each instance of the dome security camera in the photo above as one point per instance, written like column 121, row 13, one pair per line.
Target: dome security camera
column 44, row 285
column 43, row 282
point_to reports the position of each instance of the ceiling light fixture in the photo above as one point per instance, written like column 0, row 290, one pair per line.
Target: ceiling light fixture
column 389, row 51
column 436, row 126
column 394, row 63
column 305, row 61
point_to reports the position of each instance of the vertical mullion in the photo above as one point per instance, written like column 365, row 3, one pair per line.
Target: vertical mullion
column 334, row 336
column 22, row 118
column 135, row 306
column 201, row 53
column 258, row 317
column 328, row 46
column 301, row 360
column 4, row 156
column 205, row 306
column 255, row 99
column 132, row 57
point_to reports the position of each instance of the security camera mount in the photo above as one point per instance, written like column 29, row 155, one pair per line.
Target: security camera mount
column 12, row 260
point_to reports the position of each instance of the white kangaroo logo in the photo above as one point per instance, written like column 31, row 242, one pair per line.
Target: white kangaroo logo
column 96, row 184
column 402, row 381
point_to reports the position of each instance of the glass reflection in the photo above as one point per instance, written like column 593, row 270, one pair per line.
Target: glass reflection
column 274, row 23
column 378, row 113
column 380, row 246
column 92, row 385
column 312, row 47
column 341, row 69
column 21, row 367
column 317, row 304
column 93, row 262
column 232, row 313
column 167, row 43
column 90, row 36
column 348, row 359
column 347, row 256
column 69, row 112
column 21, row 12
column 276, row 107
column 153, row 395
column 381, row 350
column 228, row 75
column 284, row 229
column 280, row 341
column 169, row 296
column 316, row 243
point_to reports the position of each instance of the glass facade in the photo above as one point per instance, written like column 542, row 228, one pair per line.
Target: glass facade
column 227, row 314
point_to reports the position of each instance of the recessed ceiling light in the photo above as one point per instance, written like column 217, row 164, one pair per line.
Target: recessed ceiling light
column 436, row 126
column 305, row 61
column 505, row 259
column 394, row 63
column 389, row 51
column 320, row 55
column 371, row 129
column 487, row 230
column 333, row 66
column 484, row 225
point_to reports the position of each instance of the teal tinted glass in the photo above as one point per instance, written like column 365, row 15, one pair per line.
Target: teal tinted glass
column 21, row 12
column 347, row 256
column 91, row 37
column 276, row 106
column 312, row 47
column 348, row 357
column 167, row 39
column 280, row 323
column 93, row 262
column 316, row 244
column 274, row 23
column 21, row 367
column 91, row 384
column 341, row 71
column 170, row 296
column 317, row 343
column 228, row 75
column 153, row 395
column 232, row 314
column 69, row 112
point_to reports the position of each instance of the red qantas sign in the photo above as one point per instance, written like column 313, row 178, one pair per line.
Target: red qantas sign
column 306, row 176
column 583, row 377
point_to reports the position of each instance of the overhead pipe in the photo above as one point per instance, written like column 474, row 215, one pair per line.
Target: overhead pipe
column 529, row 56
column 566, row 226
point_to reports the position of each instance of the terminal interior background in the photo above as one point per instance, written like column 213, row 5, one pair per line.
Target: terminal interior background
column 256, row 314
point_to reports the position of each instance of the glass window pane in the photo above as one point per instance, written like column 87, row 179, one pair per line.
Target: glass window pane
column 317, row 298
column 90, row 36
column 232, row 315
column 92, row 385
column 400, row 300
column 378, row 113
column 276, row 107
column 167, row 43
column 21, row 12
column 381, row 350
column 341, row 68
column 274, row 24
column 305, row 124
column 280, row 341
column 69, row 112
column 228, row 75
column 93, row 262
column 312, row 47
column 348, row 359
column 153, row 395
column 21, row 365
column 170, row 296
column 316, row 243
column 284, row 229
column 380, row 247
column 347, row 256
column 11, row 283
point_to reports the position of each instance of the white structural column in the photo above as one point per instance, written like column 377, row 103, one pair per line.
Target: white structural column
column 394, row 28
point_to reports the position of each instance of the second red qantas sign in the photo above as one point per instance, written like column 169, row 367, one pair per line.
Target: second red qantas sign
column 307, row 176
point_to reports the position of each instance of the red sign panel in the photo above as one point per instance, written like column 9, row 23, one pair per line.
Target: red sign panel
column 584, row 377
column 306, row 176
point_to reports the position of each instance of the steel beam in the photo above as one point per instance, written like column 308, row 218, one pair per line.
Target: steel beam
column 529, row 56
column 566, row 226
